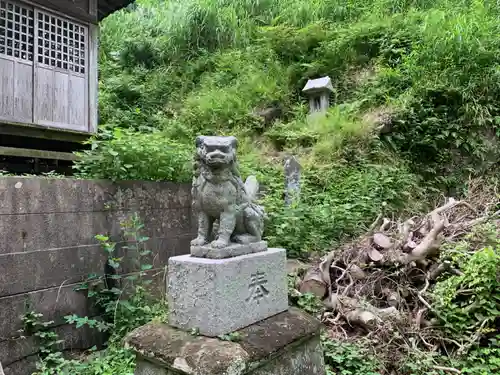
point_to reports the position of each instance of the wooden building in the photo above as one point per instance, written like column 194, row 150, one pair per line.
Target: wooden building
column 48, row 73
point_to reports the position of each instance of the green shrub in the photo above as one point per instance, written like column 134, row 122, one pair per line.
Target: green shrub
column 241, row 82
column 335, row 203
column 123, row 154
column 124, row 302
column 115, row 360
column 470, row 303
column 482, row 360
column 343, row 358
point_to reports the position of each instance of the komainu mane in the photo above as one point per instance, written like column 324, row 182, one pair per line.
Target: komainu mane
column 219, row 196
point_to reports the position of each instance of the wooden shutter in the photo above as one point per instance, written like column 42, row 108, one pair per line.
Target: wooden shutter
column 16, row 62
column 60, row 72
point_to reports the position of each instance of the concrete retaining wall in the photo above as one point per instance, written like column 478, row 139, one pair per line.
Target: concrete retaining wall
column 47, row 245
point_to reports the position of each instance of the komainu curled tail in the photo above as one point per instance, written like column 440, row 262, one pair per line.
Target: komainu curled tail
column 252, row 188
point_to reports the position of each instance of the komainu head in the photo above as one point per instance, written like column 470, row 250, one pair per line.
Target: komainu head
column 216, row 151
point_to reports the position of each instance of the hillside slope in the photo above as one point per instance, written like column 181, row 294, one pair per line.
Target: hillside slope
column 415, row 109
column 404, row 288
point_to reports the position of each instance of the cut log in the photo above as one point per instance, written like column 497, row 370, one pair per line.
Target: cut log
column 375, row 255
column 385, row 225
column 362, row 318
column 364, row 314
column 356, row 272
column 314, row 283
column 382, row 241
column 406, row 234
column 428, row 244
column 409, row 245
column 389, row 313
column 331, row 302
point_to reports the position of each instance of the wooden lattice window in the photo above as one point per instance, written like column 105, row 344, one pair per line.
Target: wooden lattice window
column 61, row 43
column 44, row 74
column 16, row 30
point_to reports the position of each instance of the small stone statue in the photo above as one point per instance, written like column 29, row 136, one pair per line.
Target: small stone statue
column 219, row 196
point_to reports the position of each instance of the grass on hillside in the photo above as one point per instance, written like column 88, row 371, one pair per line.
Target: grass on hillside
column 427, row 71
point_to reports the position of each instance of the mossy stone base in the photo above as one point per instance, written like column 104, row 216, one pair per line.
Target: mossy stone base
column 285, row 344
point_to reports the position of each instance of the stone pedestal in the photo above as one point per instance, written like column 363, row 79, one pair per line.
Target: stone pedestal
column 228, row 307
column 233, row 250
column 219, row 296
column 285, row 344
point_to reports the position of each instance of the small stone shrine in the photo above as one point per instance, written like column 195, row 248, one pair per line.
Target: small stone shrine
column 319, row 91
column 228, row 298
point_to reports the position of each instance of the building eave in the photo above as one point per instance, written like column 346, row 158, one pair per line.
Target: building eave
column 106, row 7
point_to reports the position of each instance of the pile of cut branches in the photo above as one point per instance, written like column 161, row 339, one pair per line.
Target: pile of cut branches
column 377, row 286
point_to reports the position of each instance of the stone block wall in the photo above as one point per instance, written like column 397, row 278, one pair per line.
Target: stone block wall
column 47, row 246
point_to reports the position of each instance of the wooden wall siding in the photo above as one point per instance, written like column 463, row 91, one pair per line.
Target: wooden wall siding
column 16, row 90
column 16, row 62
column 61, row 92
column 93, row 77
column 44, row 68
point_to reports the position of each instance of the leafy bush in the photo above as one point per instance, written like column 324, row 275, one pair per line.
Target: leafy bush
column 483, row 360
column 470, row 303
column 345, row 358
column 334, row 204
column 125, row 302
column 123, row 154
column 115, row 360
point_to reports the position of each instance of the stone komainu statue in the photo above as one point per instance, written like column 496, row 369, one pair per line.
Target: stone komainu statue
column 220, row 197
